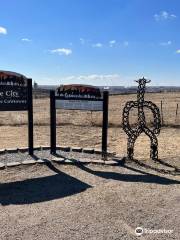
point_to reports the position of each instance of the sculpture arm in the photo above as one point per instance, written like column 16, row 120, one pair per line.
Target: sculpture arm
column 156, row 115
column 125, row 120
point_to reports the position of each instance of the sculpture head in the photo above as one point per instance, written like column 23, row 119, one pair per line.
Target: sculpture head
column 143, row 81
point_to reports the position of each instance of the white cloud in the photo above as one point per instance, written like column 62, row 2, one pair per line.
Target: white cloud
column 96, row 79
column 62, row 51
column 178, row 51
column 26, row 40
column 163, row 15
column 112, row 42
column 166, row 43
column 3, row 30
column 126, row 43
column 97, row 45
column 82, row 41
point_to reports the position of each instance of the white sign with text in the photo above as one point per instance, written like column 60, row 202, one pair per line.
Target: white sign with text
column 87, row 105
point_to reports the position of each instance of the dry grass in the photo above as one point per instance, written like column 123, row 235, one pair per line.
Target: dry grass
column 77, row 128
column 79, row 118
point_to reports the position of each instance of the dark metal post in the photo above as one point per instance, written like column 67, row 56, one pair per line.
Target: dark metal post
column 162, row 115
column 177, row 106
column 53, row 121
column 105, row 124
column 30, row 117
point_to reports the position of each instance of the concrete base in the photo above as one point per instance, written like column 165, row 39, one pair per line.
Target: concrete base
column 2, row 166
column 13, row 164
column 88, row 150
column 29, row 162
column 76, row 149
column 63, row 148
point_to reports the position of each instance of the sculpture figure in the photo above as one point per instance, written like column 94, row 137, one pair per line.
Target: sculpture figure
column 141, row 127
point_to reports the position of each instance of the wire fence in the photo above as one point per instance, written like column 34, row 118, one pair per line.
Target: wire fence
column 168, row 103
column 83, row 128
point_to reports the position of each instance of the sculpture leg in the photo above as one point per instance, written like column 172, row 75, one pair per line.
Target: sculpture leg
column 130, row 148
column 154, row 148
column 154, row 144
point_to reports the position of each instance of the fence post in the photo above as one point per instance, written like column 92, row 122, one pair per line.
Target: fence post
column 30, row 117
column 105, row 124
column 177, row 107
column 52, row 122
column 162, row 117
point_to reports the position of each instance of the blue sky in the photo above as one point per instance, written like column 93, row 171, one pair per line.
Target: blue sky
column 99, row 42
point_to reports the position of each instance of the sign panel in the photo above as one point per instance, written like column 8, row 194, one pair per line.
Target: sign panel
column 13, row 91
column 79, row 105
column 79, row 97
column 76, row 101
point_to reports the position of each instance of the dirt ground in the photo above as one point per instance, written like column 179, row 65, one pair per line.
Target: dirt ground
column 91, row 202
column 88, row 202
column 169, row 139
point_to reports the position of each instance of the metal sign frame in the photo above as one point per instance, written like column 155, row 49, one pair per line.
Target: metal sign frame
column 53, row 108
column 29, row 109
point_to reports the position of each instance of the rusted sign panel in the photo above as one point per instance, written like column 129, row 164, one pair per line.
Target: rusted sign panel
column 13, row 91
column 79, row 97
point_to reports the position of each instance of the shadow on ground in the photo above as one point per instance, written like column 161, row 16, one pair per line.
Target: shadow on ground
column 41, row 189
column 174, row 169
column 61, row 184
column 143, row 177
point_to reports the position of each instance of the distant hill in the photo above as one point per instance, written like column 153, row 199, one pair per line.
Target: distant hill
column 44, row 90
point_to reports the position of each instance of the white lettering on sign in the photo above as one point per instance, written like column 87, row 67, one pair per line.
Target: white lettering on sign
column 79, row 105
column 12, row 94
column 13, row 101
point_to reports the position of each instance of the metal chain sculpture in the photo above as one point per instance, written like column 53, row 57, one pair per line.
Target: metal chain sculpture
column 141, row 127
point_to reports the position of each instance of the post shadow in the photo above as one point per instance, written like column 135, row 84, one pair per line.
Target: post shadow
column 41, row 189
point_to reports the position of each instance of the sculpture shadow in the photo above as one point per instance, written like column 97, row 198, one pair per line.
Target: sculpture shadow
column 163, row 162
column 143, row 176
column 174, row 171
column 41, row 189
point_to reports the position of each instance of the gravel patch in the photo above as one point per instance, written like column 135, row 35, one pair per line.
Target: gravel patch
column 87, row 202
column 45, row 154
column 164, row 166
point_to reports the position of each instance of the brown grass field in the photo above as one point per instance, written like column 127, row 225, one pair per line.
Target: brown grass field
column 78, row 128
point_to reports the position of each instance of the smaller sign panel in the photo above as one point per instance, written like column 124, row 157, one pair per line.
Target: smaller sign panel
column 79, row 97
column 13, row 91
column 79, row 105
